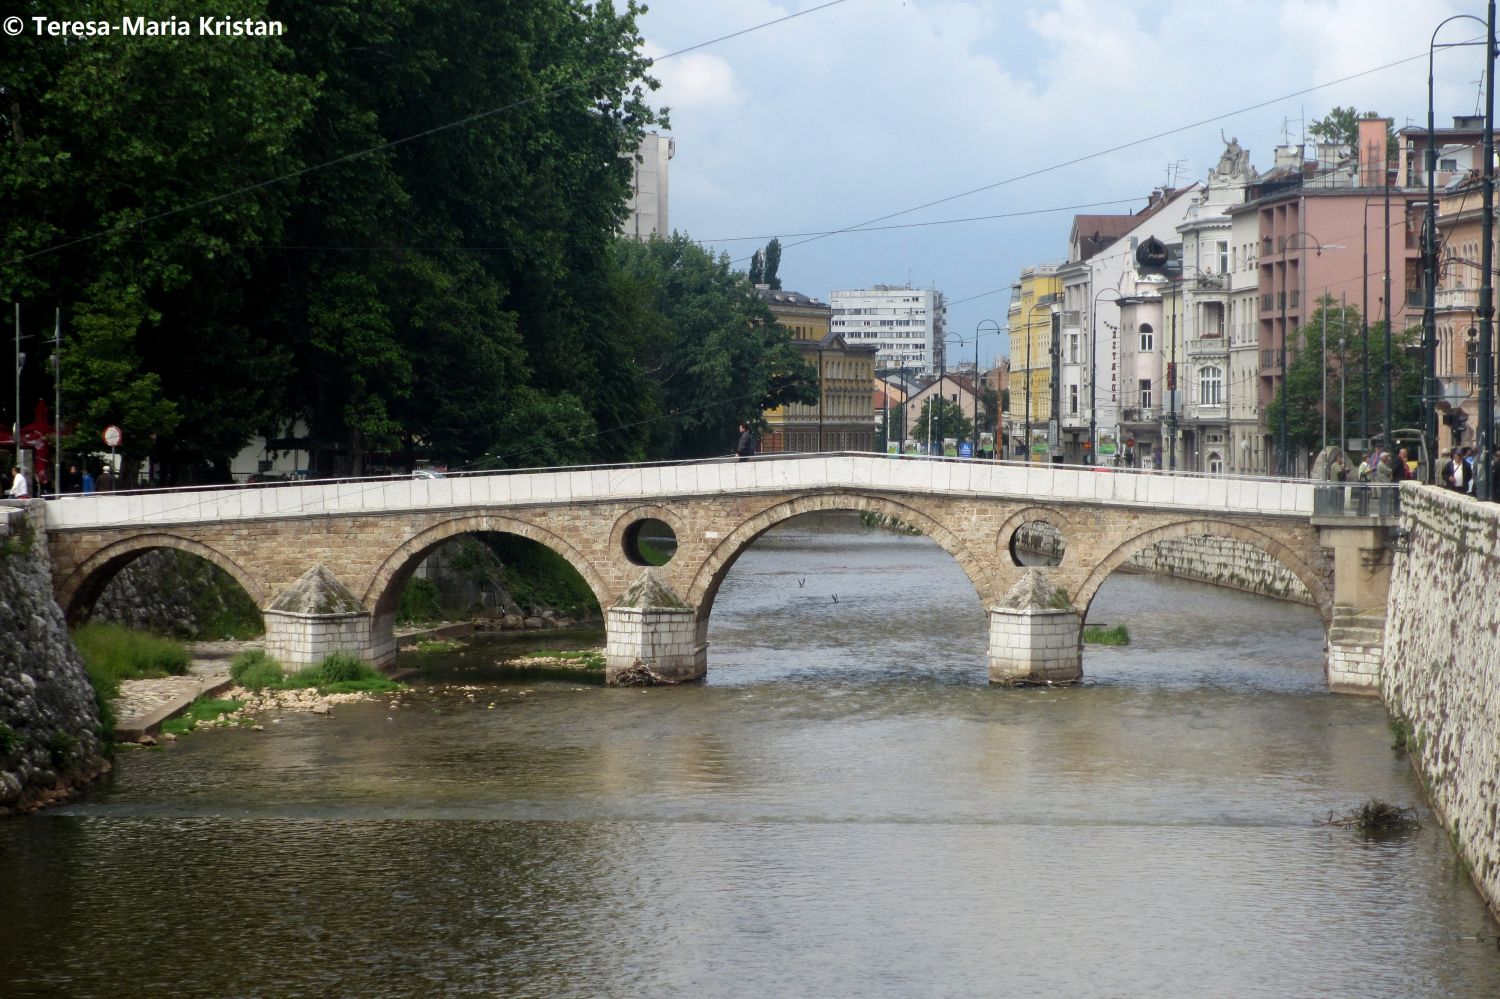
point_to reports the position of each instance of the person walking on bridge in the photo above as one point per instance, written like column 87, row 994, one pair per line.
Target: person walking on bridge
column 18, row 487
column 746, row 446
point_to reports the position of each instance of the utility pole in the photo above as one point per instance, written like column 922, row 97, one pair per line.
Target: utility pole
column 1486, row 429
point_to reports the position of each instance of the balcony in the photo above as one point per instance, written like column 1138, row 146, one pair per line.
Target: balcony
column 1465, row 299
column 1138, row 414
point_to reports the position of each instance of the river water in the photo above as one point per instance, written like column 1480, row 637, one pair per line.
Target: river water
column 844, row 808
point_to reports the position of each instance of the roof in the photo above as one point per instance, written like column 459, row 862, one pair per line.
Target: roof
column 1093, row 233
column 777, row 296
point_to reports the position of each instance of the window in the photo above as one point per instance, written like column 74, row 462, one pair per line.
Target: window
column 1145, row 386
column 1215, row 463
column 1211, row 386
column 1223, row 256
column 1072, row 400
column 1072, row 348
column 1148, row 343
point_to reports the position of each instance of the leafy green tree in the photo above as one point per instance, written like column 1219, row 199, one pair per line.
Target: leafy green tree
column 946, row 419
column 719, row 357
column 1346, row 360
column 1341, row 125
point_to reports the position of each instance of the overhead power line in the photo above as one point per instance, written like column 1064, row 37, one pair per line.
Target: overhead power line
column 458, row 123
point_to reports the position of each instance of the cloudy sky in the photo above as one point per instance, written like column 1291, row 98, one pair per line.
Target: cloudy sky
column 869, row 108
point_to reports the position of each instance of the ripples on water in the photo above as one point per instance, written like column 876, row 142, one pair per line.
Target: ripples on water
column 844, row 808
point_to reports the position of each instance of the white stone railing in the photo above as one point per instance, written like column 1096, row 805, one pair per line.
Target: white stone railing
column 685, row 480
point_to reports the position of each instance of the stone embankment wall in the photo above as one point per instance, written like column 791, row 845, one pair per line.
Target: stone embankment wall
column 171, row 592
column 49, row 722
column 1442, row 666
column 1218, row 561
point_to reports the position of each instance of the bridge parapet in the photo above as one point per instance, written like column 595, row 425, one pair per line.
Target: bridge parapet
column 928, row 476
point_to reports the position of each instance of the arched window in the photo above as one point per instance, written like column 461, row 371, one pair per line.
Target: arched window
column 1211, row 386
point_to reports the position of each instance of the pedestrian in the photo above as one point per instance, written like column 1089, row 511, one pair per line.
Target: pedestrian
column 746, row 446
column 87, row 483
column 18, row 486
column 1401, row 467
column 1468, row 463
column 1454, row 472
column 1384, row 470
column 72, row 481
column 106, row 481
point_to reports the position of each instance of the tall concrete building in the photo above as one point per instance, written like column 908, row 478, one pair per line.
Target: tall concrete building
column 904, row 324
column 648, row 188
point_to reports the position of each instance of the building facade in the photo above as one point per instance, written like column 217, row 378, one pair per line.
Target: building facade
column 905, row 325
column 647, row 211
column 840, row 421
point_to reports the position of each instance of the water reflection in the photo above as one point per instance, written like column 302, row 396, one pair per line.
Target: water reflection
column 845, row 807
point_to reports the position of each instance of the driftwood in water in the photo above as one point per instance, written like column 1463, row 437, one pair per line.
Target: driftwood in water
column 638, row 674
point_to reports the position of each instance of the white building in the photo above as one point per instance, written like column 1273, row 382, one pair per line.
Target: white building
column 906, row 325
column 1101, row 271
column 1205, row 382
column 648, row 188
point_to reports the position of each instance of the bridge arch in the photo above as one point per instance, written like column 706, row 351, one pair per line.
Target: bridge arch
column 1005, row 538
column 1317, row 586
column 85, row 583
column 715, row 568
column 384, row 590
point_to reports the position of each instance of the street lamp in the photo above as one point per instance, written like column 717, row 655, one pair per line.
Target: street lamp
column 1429, row 254
column 1094, row 369
column 1029, row 336
column 979, row 331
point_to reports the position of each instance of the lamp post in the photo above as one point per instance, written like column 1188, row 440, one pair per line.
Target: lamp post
column 1485, row 432
column 1029, row 337
column 1429, row 257
column 979, row 331
column 1094, row 368
column 1283, row 438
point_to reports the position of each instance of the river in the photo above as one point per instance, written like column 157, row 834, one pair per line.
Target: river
column 844, row 808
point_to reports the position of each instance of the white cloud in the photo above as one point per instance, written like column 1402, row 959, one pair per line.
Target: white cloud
column 875, row 106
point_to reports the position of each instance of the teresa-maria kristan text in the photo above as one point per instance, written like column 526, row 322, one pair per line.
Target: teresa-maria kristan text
column 206, row 27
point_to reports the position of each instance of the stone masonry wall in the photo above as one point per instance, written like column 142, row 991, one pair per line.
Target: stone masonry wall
column 49, row 722
column 1218, row 561
column 1442, row 665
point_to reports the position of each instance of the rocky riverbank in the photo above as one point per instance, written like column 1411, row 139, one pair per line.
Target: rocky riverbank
column 50, row 734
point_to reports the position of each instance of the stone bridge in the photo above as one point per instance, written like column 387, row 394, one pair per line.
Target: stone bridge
column 327, row 561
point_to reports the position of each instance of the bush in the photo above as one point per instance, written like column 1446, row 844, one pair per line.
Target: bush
column 341, row 667
column 419, row 603
column 1118, row 635
column 204, row 709
column 254, row 670
column 113, row 653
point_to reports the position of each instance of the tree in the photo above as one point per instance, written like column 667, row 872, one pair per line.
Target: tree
column 942, row 418
column 764, row 264
column 1346, row 361
column 1341, row 126
column 719, row 356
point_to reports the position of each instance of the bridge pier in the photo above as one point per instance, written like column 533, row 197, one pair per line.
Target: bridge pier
column 651, row 626
column 1362, row 559
column 1035, row 634
column 1034, row 646
column 317, row 617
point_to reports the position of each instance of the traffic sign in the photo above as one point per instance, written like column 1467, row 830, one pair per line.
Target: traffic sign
column 112, row 436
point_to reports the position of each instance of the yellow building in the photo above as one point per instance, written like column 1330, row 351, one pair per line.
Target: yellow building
column 844, row 417
column 1035, row 301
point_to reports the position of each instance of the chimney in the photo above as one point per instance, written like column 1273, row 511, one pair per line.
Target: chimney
column 1373, row 137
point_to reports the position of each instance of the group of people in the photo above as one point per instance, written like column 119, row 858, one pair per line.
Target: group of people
column 74, row 480
column 1462, row 467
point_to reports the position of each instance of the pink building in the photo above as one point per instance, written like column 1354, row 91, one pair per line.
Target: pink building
column 1328, row 228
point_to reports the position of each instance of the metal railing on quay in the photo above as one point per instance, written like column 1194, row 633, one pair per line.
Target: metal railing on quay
column 1356, row 501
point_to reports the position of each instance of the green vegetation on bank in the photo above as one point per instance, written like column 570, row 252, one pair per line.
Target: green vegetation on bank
column 339, row 673
column 419, row 603
column 113, row 653
column 587, row 659
column 536, row 576
column 1118, row 635
column 204, row 709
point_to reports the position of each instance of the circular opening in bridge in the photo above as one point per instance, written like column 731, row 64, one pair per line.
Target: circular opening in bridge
column 650, row 542
column 1037, row 543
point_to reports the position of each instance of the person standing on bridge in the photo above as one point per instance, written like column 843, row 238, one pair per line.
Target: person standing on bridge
column 746, row 446
column 18, row 487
